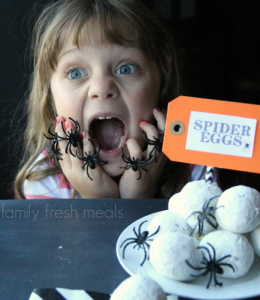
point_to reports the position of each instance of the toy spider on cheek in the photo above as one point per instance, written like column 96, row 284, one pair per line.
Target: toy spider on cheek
column 135, row 164
column 157, row 143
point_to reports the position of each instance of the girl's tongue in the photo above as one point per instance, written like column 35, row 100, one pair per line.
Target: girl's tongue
column 108, row 133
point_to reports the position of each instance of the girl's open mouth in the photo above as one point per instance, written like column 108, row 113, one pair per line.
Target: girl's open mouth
column 109, row 133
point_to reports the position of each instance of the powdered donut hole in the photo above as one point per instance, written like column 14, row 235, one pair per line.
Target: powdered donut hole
column 168, row 253
column 239, row 209
column 254, row 238
column 168, row 221
column 175, row 203
column 138, row 287
column 192, row 198
column 229, row 243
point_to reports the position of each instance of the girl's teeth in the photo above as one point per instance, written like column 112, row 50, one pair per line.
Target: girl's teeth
column 103, row 118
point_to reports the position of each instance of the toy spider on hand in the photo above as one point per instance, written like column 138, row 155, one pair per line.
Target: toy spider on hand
column 90, row 159
column 212, row 266
column 135, row 164
column 73, row 138
column 53, row 147
column 205, row 215
column 157, row 143
column 140, row 240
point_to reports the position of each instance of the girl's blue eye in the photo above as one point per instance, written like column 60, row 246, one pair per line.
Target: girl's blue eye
column 76, row 74
column 126, row 69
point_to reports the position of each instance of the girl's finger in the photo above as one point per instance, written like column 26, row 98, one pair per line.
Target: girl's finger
column 134, row 149
column 89, row 158
column 150, row 134
column 160, row 117
column 61, row 132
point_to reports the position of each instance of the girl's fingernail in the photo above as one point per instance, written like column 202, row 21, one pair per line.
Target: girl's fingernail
column 84, row 134
column 57, row 120
column 157, row 109
column 144, row 122
column 67, row 125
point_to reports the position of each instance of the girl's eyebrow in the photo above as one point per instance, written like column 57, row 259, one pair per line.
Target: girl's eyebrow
column 67, row 52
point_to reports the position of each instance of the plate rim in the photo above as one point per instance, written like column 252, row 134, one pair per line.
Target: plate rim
column 187, row 289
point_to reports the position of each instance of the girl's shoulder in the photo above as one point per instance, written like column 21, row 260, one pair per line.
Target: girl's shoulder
column 54, row 186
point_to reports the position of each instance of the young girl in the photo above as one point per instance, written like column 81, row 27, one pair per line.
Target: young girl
column 110, row 66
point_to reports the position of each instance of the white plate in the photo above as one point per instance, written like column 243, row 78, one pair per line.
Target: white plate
column 244, row 287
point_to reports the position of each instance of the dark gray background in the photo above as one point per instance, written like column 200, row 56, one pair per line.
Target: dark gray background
column 218, row 42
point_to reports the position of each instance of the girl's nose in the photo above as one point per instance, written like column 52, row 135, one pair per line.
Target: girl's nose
column 102, row 88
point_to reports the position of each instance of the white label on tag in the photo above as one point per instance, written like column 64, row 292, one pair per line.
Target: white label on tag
column 221, row 134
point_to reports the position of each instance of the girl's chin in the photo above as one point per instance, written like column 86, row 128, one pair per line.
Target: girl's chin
column 113, row 170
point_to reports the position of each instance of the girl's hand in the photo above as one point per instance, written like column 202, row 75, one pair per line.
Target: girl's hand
column 102, row 185
column 146, row 186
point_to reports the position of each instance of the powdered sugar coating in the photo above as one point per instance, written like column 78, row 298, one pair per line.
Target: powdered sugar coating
column 229, row 243
column 255, row 240
column 138, row 287
column 169, row 221
column 168, row 253
column 192, row 198
column 239, row 209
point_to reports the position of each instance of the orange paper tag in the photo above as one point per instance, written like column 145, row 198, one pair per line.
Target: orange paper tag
column 213, row 133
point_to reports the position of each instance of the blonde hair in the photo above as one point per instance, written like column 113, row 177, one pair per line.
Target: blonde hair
column 79, row 19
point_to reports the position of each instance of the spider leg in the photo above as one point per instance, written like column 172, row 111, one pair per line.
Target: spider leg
column 125, row 159
column 196, row 268
column 126, row 246
column 195, row 212
column 88, row 173
column 145, row 256
column 228, row 265
column 148, row 246
column 193, row 229
column 139, row 228
column 200, row 231
column 140, row 174
column 70, row 150
column 135, row 232
column 95, row 154
column 210, row 278
column 146, row 162
column 226, row 256
column 210, row 222
column 203, row 247
column 126, row 168
column 154, row 232
column 206, row 204
column 129, row 239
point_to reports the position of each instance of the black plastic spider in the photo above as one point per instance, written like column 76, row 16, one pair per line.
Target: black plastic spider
column 140, row 240
column 135, row 164
column 204, row 216
column 212, row 265
column 53, row 148
column 90, row 159
column 157, row 142
column 73, row 138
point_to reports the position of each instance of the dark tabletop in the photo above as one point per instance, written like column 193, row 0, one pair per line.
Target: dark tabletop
column 65, row 243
